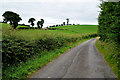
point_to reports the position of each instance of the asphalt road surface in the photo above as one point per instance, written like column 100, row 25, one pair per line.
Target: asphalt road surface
column 83, row 61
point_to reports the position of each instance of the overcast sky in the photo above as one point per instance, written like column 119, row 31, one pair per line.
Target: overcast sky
column 53, row 11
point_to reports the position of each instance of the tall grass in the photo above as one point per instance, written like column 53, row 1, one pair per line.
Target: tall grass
column 111, row 53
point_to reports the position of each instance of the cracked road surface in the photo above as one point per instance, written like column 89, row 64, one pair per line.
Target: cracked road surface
column 83, row 61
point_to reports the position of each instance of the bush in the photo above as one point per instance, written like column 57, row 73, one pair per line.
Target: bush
column 16, row 50
column 109, row 21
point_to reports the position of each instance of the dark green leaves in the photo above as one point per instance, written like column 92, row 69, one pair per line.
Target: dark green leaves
column 109, row 21
column 11, row 17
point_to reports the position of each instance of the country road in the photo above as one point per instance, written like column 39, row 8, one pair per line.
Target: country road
column 83, row 61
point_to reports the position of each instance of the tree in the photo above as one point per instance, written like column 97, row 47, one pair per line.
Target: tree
column 38, row 24
column 67, row 21
column 41, row 22
column 31, row 20
column 63, row 23
column 109, row 21
column 11, row 17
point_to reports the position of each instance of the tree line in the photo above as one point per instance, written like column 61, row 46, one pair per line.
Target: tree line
column 14, row 18
column 109, row 21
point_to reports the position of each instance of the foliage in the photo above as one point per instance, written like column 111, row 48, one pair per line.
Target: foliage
column 109, row 21
column 15, row 50
column 67, row 21
column 40, row 23
column 11, row 17
column 111, row 54
column 109, row 32
column 63, row 23
column 31, row 20
column 23, row 70
column 19, row 46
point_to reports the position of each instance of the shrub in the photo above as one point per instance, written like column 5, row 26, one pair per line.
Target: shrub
column 109, row 21
column 16, row 50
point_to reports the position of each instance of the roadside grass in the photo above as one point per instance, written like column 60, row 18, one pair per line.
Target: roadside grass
column 24, row 70
column 110, row 52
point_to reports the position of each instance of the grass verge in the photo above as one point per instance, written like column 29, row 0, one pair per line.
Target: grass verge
column 110, row 52
column 23, row 70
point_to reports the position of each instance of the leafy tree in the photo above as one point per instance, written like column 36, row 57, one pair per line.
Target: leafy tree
column 109, row 21
column 63, row 23
column 67, row 21
column 38, row 24
column 11, row 17
column 41, row 22
column 31, row 20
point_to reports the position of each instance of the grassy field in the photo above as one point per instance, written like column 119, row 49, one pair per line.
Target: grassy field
column 27, row 50
column 111, row 52
column 78, row 29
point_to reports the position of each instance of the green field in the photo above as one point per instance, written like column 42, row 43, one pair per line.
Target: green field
column 26, row 50
column 78, row 29
column 73, row 31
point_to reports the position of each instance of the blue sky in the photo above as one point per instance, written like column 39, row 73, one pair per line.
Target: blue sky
column 54, row 11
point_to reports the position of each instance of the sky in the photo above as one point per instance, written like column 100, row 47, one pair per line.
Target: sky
column 53, row 11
